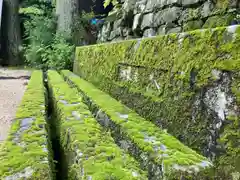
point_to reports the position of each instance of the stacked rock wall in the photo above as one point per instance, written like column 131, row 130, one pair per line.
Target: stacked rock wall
column 144, row 18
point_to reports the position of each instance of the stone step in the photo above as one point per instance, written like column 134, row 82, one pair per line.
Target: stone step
column 25, row 154
column 159, row 152
column 90, row 151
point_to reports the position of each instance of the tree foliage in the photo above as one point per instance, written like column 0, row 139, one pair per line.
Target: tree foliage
column 108, row 2
column 44, row 48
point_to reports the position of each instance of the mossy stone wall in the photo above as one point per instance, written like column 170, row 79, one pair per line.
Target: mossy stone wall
column 26, row 154
column 89, row 151
column 187, row 83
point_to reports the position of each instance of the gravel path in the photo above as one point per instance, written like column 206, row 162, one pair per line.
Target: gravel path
column 12, row 86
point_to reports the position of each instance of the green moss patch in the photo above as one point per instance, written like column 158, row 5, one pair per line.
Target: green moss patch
column 90, row 151
column 25, row 154
column 151, row 144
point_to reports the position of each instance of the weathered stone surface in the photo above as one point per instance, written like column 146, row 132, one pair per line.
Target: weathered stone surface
column 140, row 15
column 126, row 32
column 129, row 37
column 168, row 15
column 118, row 23
column 219, row 21
column 175, row 30
column 140, row 6
column 117, row 39
column 191, row 2
column 129, row 5
column 147, row 21
column 151, row 4
column 164, row 29
column 115, row 33
column 192, row 25
column 190, row 14
column 149, row 33
column 207, row 8
column 234, row 3
column 136, row 22
column 105, row 32
column 158, row 4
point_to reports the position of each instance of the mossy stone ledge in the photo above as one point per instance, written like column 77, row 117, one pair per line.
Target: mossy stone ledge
column 89, row 150
column 187, row 83
column 162, row 154
column 25, row 154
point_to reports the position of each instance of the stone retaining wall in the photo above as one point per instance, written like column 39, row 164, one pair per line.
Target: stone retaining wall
column 145, row 18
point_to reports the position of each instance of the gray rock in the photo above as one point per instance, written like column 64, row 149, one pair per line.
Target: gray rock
column 216, row 74
column 218, row 99
column 140, row 6
column 117, row 39
column 149, row 33
column 159, row 4
column 76, row 115
column 170, row 14
column 189, row 14
column 118, row 23
column 192, row 25
column 157, row 19
column 161, row 30
column 167, row 28
column 129, row 37
column 232, row 29
column 128, row 5
column 152, row 4
column 24, row 125
column 166, row 16
column 175, row 30
column 136, row 22
column 126, row 32
column 234, row 3
column 105, row 32
column 115, row 33
column 63, row 101
column 24, row 174
column 191, row 2
column 207, row 9
column 102, row 118
column 147, row 21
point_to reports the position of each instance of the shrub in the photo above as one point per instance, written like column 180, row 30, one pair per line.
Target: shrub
column 44, row 48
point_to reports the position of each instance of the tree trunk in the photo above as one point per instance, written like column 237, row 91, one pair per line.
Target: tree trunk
column 66, row 10
column 11, row 33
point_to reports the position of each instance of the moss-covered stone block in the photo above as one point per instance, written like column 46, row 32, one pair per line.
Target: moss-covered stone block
column 219, row 20
column 26, row 153
column 160, row 153
column 89, row 149
column 177, row 81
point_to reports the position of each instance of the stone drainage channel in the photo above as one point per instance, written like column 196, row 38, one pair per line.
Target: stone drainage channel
column 59, row 160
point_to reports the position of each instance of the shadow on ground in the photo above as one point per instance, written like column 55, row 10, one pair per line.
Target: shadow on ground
column 11, row 77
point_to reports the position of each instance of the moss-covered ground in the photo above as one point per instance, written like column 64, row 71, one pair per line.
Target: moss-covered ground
column 25, row 152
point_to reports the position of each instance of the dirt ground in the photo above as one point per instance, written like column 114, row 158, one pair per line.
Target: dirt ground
column 12, row 86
